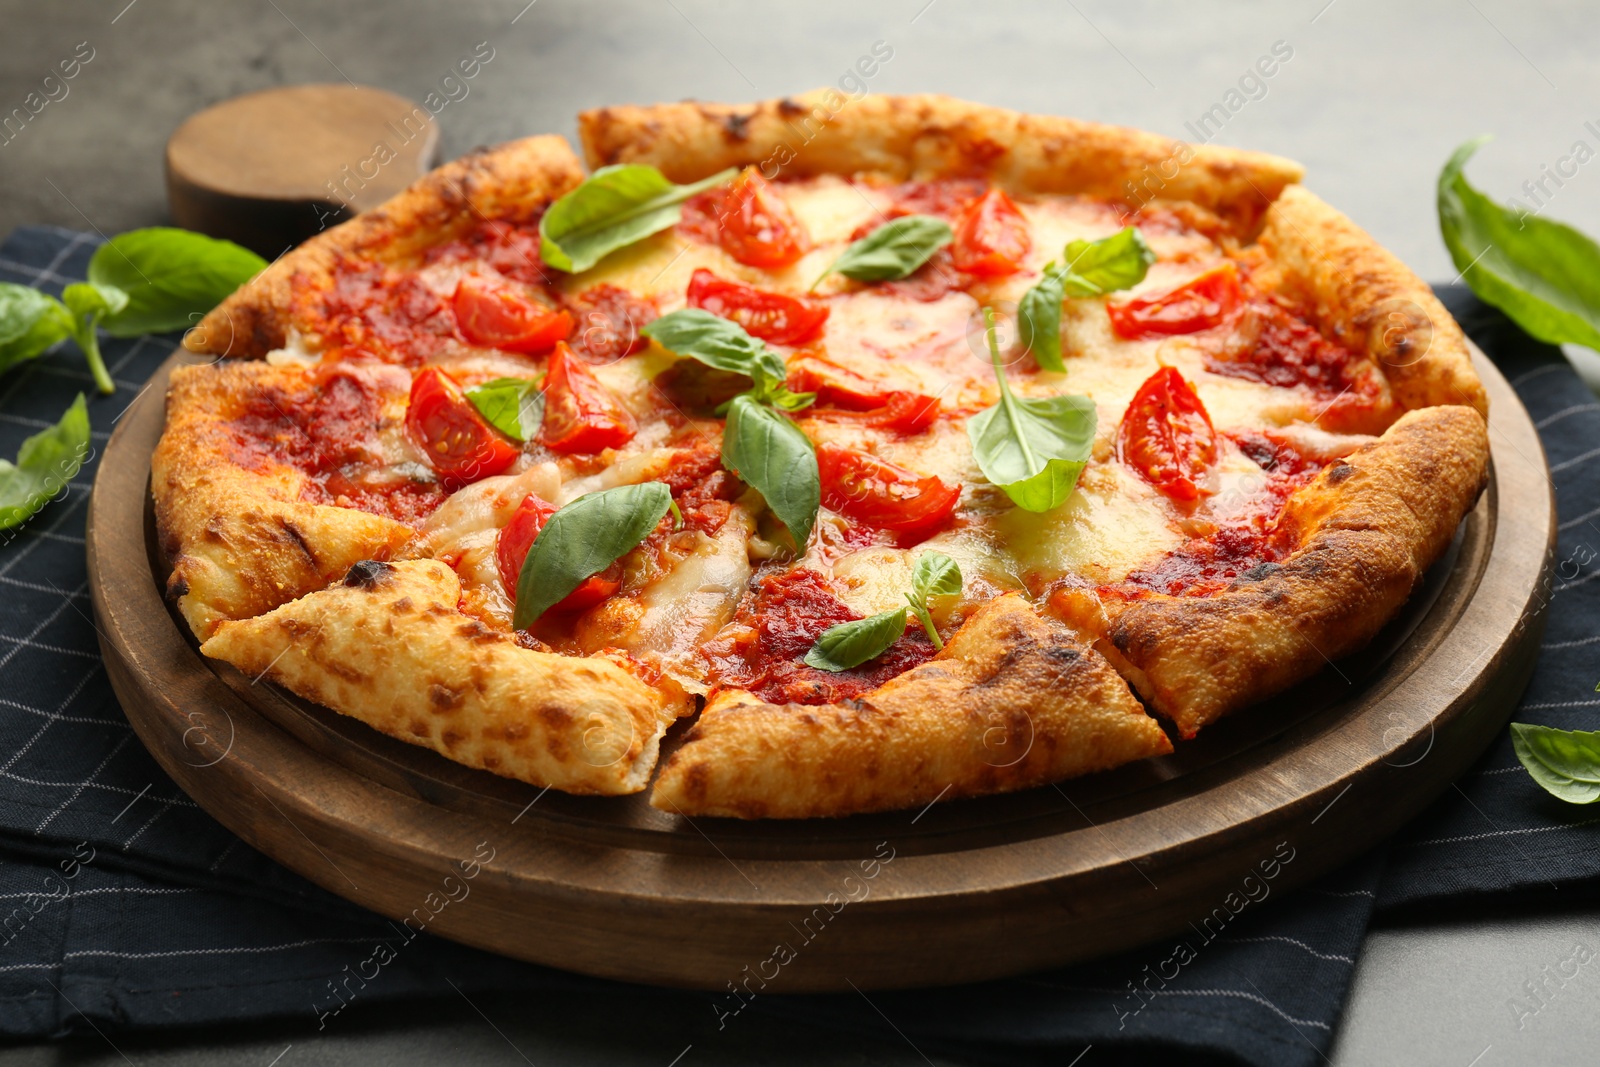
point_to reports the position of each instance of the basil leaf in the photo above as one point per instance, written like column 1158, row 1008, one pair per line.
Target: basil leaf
column 1031, row 447
column 770, row 453
column 514, row 406
column 1565, row 762
column 851, row 644
column 89, row 303
column 171, row 277
column 935, row 574
column 1039, row 319
column 612, row 209
column 584, row 538
column 717, row 342
column 46, row 462
column 1544, row 275
column 30, row 322
column 893, row 250
column 1117, row 262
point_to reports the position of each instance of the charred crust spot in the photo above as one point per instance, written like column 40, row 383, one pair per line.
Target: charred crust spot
column 367, row 574
column 451, row 739
column 790, row 108
column 419, row 728
column 474, row 630
column 1339, row 472
column 402, row 606
column 526, row 640
column 443, row 698
column 177, row 586
column 296, row 538
column 1260, row 571
column 734, row 127
column 555, row 716
column 696, row 780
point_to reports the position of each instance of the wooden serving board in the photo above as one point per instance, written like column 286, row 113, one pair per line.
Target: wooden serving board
column 957, row 892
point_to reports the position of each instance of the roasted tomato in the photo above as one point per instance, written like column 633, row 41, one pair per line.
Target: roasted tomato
column 991, row 237
column 896, row 410
column 461, row 446
column 518, row 535
column 1196, row 305
column 497, row 314
column 750, row 220
column 884, row 495
column 1167, row 437
column 580, row 414
column 782, row 320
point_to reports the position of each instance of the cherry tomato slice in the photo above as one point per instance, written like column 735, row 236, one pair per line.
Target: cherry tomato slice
column 517, row 537
column 500, row 315
column 773, row 317
column 1198, row 304
column 458, row 442
column 904, row 413
column 1167, row 436
column 991, row 237
column 749, row 219
column 580, row 414
column 883, row 494
column 897, row 410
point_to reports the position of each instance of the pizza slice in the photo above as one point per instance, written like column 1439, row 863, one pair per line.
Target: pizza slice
column 917, row 447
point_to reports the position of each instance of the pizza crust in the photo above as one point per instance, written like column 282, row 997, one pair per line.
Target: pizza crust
column 1366, row 299
column 920, row 137
column 240, row 540
column 1364, row 532
column 1014, row 700
column 511, row 182
column 389, row 646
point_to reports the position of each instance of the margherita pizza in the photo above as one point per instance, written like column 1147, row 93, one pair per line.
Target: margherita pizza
column 932, row 461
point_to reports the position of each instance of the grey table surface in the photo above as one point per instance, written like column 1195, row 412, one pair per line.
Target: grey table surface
column 1373, row 99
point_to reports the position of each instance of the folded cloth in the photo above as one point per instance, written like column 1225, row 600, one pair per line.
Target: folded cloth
column 129, row 907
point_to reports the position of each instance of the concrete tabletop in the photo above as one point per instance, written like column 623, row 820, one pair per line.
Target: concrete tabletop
column 1371, row 95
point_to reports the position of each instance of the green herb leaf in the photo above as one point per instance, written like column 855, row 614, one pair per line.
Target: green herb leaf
column 770, row 453
column 46, row 462
column 1117, row 262
column 851, row 644
column 615, row 207
column 892, row 251
column 584, row 538
column 514, row 406
column 1093, row 268
column 89, row 303
column 935, row 574
column 30, row 322
column 171, row 277
column 1544, row 275
column 1033, row 447
column 716, row 342
column 1039, row 319
column 1565, row 762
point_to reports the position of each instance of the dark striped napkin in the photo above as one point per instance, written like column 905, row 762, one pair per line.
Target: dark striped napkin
column 123, row 905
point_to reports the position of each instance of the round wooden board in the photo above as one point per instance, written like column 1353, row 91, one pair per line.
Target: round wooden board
column 957, row 892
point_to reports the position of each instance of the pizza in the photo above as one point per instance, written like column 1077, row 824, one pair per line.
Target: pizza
column 883, row 454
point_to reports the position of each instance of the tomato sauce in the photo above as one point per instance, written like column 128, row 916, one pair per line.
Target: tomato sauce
column 322, row 429
column 510, row 248
column 1281, row 349
column 789, row 610
column 1206, row 565
column 702, row 488
column 388, row 312
column 608, row 321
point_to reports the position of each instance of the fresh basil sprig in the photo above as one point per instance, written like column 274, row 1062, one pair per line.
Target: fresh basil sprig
column 768, row 451
column 1544, row 275
column 171, row 277
column 1092, row 268
column 759, row 444
column 514, row 406
column 583, row 538
column 30, row 322
column 850, row 644
column 892, row 251
column 46, row 462
column 91, row 304
column 1565, row 762
column 1031, row 447
column 615, row 207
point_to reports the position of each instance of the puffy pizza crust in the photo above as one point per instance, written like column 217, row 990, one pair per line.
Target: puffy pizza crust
column 1014, row 700
column 1371, row 302
column 927, row 136
column 509, row 182
column 1365, row 530
column 240, row 540
column 390, row 647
